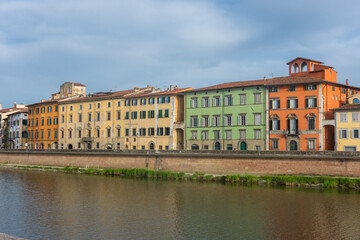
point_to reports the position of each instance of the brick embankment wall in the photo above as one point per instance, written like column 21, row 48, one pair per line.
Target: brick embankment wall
column 256, row 163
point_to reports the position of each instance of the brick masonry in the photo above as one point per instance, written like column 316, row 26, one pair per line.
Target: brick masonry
column 256, row 163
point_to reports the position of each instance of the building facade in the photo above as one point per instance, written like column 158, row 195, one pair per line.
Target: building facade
column 228, row 116
column 300, row 115
column 43, row 121
column 141, row 118
column 18, row 122
column 347, row 134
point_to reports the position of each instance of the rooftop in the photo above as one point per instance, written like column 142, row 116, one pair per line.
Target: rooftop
column 354, row 106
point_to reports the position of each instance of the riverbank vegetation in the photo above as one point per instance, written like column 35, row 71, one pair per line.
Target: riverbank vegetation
column 325, row 182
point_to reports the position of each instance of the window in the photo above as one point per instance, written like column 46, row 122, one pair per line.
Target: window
column 216, row 120
column 275, row 124
column 118, row 131
column 273, row 89
column 62, row 134
column 292, row 88
column 311, row 123
column 70, row 133
column 292, row 125
column 257, row 118
column 204, row 135
column 133, row 115
column 127, row 102
column 143, row 101
column 242, row 134
column 242, row 99
column 127, row 115
column 257, row 98
column 79, row 133
column 97, row 145
column 98, row 133
column 42, row 122
column 274, row 144
column 167, row 99
column 194, row 102
column 80, row 117
column 228, row 120
column 160, row 131
column 118, row 115
column 355, row 116
column 292, row 103
column 49, row 134
column 151, row 101
column 355, row 133
column 89, row 133
column 242, row 120
column 49, row 109
column 205, row 102
column 151, row 114
column 151, row 131
column 108, row 132
column 216, row 101
column 89, row 117
column 108, row 116
column 228, row 100
column 90, row 105
column 194, row 122
column 142, row 114
column 109, row 104
column 98, row 105
column 228, row 134
column 98, row 116
column 275, row 104
column 134, row 102
column 205, row 121
column 119, row 103
column 49, row 121
column 167, row 131
column 127, row 132
column 160, row 114
column 55, row 133
column 257, row 133
column 343, row 117
column 310, row 87
column 311, row 144
column 217, row 134
column 166, row 114
column 70, row 118
column 310, row 102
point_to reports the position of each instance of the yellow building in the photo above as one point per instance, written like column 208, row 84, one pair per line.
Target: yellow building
column 347, row 124
column 141, row 118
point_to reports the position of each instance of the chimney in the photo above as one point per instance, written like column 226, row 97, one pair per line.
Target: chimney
column 42, row 100
column 347, row 82
column 264, row 78
column 171, row 87
column 15, row 105
column 0, row 106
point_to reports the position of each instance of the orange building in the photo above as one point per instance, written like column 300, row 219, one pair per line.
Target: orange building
column 43, row 125
column 299, row 106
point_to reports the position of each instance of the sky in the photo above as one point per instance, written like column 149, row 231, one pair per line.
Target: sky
column 117, row 44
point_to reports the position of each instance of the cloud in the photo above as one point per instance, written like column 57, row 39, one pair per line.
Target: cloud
column 117, row 45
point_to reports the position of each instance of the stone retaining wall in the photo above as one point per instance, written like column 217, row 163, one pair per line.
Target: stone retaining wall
column 227, row 162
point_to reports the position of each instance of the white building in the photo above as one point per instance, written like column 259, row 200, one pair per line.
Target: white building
column 18, row 122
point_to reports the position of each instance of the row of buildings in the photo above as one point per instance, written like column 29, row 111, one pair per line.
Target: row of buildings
column 307, row 110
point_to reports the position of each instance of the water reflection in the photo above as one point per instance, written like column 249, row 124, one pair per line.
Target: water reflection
column 45, row 205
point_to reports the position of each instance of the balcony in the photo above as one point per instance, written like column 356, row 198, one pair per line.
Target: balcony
column 87, row 139
column 292, row 132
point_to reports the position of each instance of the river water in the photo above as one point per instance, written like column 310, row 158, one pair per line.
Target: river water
column 48, row 205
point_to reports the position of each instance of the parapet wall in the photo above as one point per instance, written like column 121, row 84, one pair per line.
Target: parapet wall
column 346, row 164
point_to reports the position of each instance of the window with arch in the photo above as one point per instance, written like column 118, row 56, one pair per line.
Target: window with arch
column 356, row 100
column 304, row 67
column 295, row 68
column 274, row 122
column 311, row 118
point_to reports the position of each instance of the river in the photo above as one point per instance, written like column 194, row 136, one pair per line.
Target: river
column 49, row 205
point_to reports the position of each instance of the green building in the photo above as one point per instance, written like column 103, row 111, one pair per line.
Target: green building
column 228, row 116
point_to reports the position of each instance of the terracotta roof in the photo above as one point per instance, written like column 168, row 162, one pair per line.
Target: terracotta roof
column 44, row 102
column 353, row 106
column 292, row 80
column 98, row 96
column 306, row 59
column 79, row 84
column 22, row 110
column 11, row 109
column 159, row 93
column 231, row 85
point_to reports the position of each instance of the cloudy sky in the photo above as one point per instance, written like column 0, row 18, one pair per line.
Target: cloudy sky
column 118, row 44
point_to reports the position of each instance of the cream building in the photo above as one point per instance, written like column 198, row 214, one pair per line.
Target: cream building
column 116, row 120
column 347, row 127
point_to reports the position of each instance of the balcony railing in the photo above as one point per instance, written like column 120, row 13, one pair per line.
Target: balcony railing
column 87, row 139
column 292, row 132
